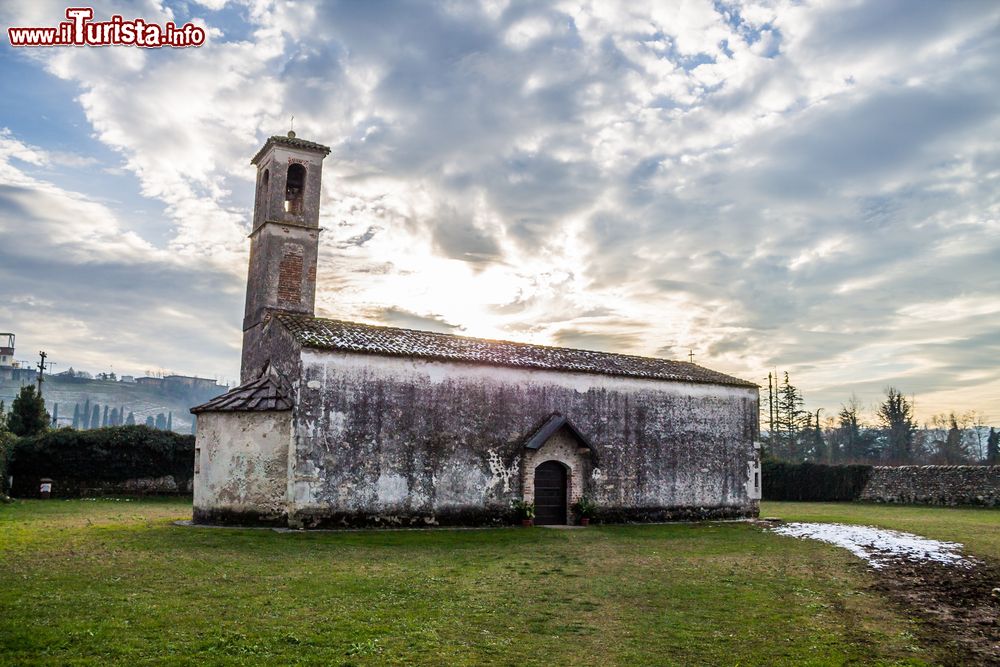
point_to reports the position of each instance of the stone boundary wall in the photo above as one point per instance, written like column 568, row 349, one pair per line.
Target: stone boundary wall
column 934, row 485
column 27, row 486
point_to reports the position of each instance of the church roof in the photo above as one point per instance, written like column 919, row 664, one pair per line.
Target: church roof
column 324, row 334
column 291, row 142
column 260, row 395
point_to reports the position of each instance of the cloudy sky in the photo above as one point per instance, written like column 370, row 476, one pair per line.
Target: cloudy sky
column 806, row 186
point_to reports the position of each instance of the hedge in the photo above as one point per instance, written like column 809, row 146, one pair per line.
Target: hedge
column 813, row 481
column 77, row 459
column 7, row 441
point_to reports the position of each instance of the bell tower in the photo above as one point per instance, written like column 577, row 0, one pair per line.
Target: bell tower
column 284, row 241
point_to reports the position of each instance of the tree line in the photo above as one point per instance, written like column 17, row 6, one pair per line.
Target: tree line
column 893, row 437
column 28, row 415
column 89, row 417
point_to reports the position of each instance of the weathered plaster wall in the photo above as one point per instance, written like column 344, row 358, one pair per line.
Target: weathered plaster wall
column 388, row 440
column 241, row 467
column 934, row 485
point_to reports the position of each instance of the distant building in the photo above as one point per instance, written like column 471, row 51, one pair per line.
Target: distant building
column 149, row 382
column 128, row 379
column 6, row 350
column 190, row 381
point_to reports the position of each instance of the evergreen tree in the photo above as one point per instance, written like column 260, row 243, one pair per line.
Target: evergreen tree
column 170, row 421
column 849, row 432
column 114, row 417
column 27, row 413
column 131, row 419
column 896, row 414
column 95, row 416
column 104, row 420
column 993, row 447
column 149, row 422
column 790, row 420
column 86, row 414
column 161, row 422
column 3, row 418
column 55, row 415
column 952, row 450
column 819, row 451
column 76, row 416
column 121, row 415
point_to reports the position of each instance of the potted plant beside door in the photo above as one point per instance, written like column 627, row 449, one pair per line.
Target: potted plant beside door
column 584, row 509
column 524, row 511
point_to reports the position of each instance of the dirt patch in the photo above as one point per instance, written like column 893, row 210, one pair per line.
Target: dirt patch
column 961, row 614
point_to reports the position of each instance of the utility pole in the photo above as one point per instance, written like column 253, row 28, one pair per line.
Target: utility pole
column 42, row 367
column 819, row 436
column 770, row 408
column 41, row 371
column 691, row 356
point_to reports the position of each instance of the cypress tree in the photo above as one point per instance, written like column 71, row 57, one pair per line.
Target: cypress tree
column 95, row 416
column 131, row 419
column 85, row 416
column 104, row 421
column 170, row 421
column 55, row 415
column 114, row 417
column 149, row 422
column 76, row 416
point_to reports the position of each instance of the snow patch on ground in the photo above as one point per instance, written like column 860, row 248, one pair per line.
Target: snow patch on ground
column 878, row 546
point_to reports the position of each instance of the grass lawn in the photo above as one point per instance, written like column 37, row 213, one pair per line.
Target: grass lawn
column 99, row 582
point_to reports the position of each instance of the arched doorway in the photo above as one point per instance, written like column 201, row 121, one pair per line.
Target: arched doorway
column 550, row 494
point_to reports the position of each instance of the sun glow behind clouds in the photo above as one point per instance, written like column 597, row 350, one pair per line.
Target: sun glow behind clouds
column 803, row 186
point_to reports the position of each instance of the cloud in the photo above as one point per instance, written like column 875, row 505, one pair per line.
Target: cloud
column 810, row 187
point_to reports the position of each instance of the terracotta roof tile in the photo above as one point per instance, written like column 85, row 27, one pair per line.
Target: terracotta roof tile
column 266, row 393
column 320, row 333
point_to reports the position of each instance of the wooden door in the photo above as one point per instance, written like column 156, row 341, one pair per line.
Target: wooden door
column 550, row 494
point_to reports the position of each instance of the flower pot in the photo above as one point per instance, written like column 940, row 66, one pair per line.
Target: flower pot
column 527, row 523
column 584, row 520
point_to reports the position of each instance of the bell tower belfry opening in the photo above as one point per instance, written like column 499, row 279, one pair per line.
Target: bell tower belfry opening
column 284, row 241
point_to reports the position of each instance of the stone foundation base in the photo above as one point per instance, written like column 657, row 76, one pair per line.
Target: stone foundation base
column 468, row 517
column 229, row 517
column 668, row 514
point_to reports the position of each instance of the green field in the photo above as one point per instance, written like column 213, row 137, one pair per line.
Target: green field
column 103, row 581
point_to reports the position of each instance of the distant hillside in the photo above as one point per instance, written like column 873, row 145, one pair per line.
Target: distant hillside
column 143, row 400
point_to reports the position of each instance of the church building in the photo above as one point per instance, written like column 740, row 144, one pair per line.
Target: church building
column 343, row 424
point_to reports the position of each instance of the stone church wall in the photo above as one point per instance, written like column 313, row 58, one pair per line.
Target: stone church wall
column 402, row 441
